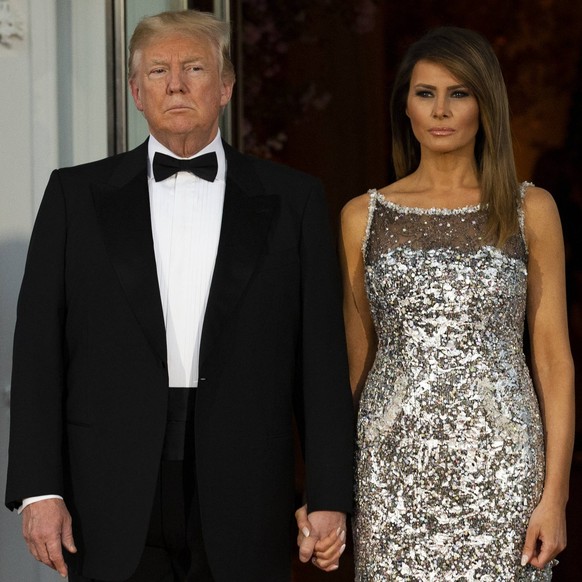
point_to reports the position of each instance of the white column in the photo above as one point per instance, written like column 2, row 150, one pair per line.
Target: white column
column 34, row 141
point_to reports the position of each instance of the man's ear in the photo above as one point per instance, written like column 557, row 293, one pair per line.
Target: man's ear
column 134, row 88
column 226, row 92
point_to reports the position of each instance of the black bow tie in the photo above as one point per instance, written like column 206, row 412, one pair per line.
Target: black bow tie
column 205, row 166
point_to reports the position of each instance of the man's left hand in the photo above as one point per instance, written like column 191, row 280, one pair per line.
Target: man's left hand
column 321, row 538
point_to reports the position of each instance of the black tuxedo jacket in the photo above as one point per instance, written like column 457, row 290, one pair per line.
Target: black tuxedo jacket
column 89, row 391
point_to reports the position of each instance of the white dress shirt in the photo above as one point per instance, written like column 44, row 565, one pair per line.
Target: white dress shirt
column 186, row 214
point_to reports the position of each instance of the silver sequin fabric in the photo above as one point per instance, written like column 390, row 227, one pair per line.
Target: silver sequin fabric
column 450, row 449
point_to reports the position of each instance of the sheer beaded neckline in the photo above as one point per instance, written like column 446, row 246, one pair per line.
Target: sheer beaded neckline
column 422, row 210
column 392, row 227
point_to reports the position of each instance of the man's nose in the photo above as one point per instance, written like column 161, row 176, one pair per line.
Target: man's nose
column 176, row 82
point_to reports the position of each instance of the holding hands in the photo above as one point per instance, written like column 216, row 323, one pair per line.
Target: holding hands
column 321, row 537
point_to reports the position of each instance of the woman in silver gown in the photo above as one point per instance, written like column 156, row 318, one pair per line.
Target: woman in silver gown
column 462, row 461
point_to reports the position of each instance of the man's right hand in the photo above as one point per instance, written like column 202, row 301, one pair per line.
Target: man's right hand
column 47, row 527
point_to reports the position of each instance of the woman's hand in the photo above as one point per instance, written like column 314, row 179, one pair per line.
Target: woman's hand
column 324, row 552
column 546, row 535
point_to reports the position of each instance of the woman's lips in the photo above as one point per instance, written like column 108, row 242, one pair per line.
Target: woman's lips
column 441, row 131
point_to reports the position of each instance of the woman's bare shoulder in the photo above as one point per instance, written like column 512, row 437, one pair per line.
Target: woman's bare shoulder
column 356, row 206
column 537, row 199
column 539, row 206
column 354, row 216
column 542, row 219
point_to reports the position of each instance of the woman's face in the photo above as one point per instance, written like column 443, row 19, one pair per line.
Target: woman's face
column 443, row 112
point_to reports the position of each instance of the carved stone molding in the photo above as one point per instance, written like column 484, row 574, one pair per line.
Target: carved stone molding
column 11, row 25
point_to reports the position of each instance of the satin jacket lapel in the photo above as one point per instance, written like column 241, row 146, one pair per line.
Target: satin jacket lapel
column 247, row 216
column 123, row 210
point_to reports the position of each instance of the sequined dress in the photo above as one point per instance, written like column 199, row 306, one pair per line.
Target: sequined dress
column 450, row 456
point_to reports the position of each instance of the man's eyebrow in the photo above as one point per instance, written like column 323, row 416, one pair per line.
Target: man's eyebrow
column 190, row 59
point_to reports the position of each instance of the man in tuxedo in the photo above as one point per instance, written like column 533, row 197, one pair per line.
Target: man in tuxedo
column 180, row 303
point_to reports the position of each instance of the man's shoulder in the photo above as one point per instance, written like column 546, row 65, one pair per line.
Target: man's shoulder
column 107, row 165
column 269, row 171
column 272, row 167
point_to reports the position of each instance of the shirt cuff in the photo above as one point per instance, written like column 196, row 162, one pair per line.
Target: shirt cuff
column 29, row 500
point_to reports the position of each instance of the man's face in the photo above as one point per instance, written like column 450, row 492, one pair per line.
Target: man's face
column 178, row 87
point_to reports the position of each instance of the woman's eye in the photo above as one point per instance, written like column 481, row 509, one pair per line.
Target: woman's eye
column 424, row 93
column 460, row 94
